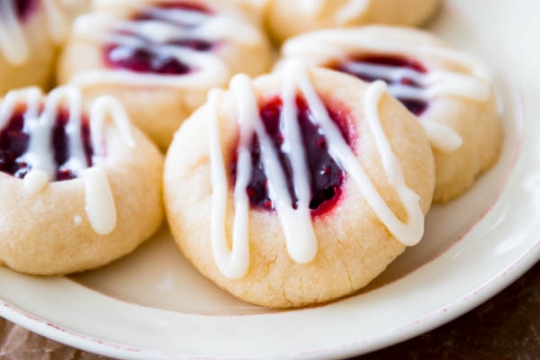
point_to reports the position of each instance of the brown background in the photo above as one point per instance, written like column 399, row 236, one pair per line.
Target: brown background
column 505, row 327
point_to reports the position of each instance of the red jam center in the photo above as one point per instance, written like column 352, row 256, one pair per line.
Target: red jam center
column 142, row 59
column 14, row 142
column 325, row 175
column 417, row 107
column 23, row 8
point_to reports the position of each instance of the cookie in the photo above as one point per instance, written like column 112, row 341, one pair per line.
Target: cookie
column 161, row 57
column 289, row 18
column 449, row 90
column 80, row 186
column 298, row 187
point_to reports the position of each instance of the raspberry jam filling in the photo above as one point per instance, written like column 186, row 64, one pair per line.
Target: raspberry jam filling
column 14, row 142
column 145, row 58
column 382, row 63
column 23, row 8
column 325, row 175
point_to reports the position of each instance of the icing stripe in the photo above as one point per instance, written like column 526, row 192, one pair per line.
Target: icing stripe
column 179, row 16
column 12, row 39
column 234, row 264
column 100, row 207
column 35, row 181
column 442, row 137
column 411, row 232
column 103, row 107
column 13, row 42
column 344, row 14
column 77, row 157
column 436, row 83
column 39, row 155
column 296, row 223
column 351, row 10
column 58, row 23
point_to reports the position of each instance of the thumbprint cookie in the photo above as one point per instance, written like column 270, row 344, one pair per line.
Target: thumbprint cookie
column 161, row 57
column 448, row 90
column 286, row 18
column 30, row 33
column 298, row 187
column 80, row 186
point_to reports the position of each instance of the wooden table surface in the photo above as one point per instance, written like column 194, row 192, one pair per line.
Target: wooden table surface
column 505, row 327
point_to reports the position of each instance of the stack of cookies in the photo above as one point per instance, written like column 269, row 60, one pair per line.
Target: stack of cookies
column 305, row 141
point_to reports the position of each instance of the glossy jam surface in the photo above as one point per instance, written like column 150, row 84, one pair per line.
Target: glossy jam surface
column 24, row 8
column 415, row 106
column 325, row 175
column 143, row 59
column 14, row 142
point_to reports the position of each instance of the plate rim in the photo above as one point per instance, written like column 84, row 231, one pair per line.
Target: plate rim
column 428, row 322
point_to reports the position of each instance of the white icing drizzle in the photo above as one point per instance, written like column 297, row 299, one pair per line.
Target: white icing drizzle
column 13, row 42
column 102, row 108
column 409, row 233
column 350, row 10
column 433, row 83
column 234, row 263
column 297, row 225
column 442, row 137
column 321, row 47
column 39, row 155
column 100, row 207
column 12, row 38
column 58, row 22
column 39, row 124
column 168, row 25
column 35, row 181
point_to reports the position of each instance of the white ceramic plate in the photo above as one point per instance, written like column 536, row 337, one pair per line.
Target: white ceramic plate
column 154, row 305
